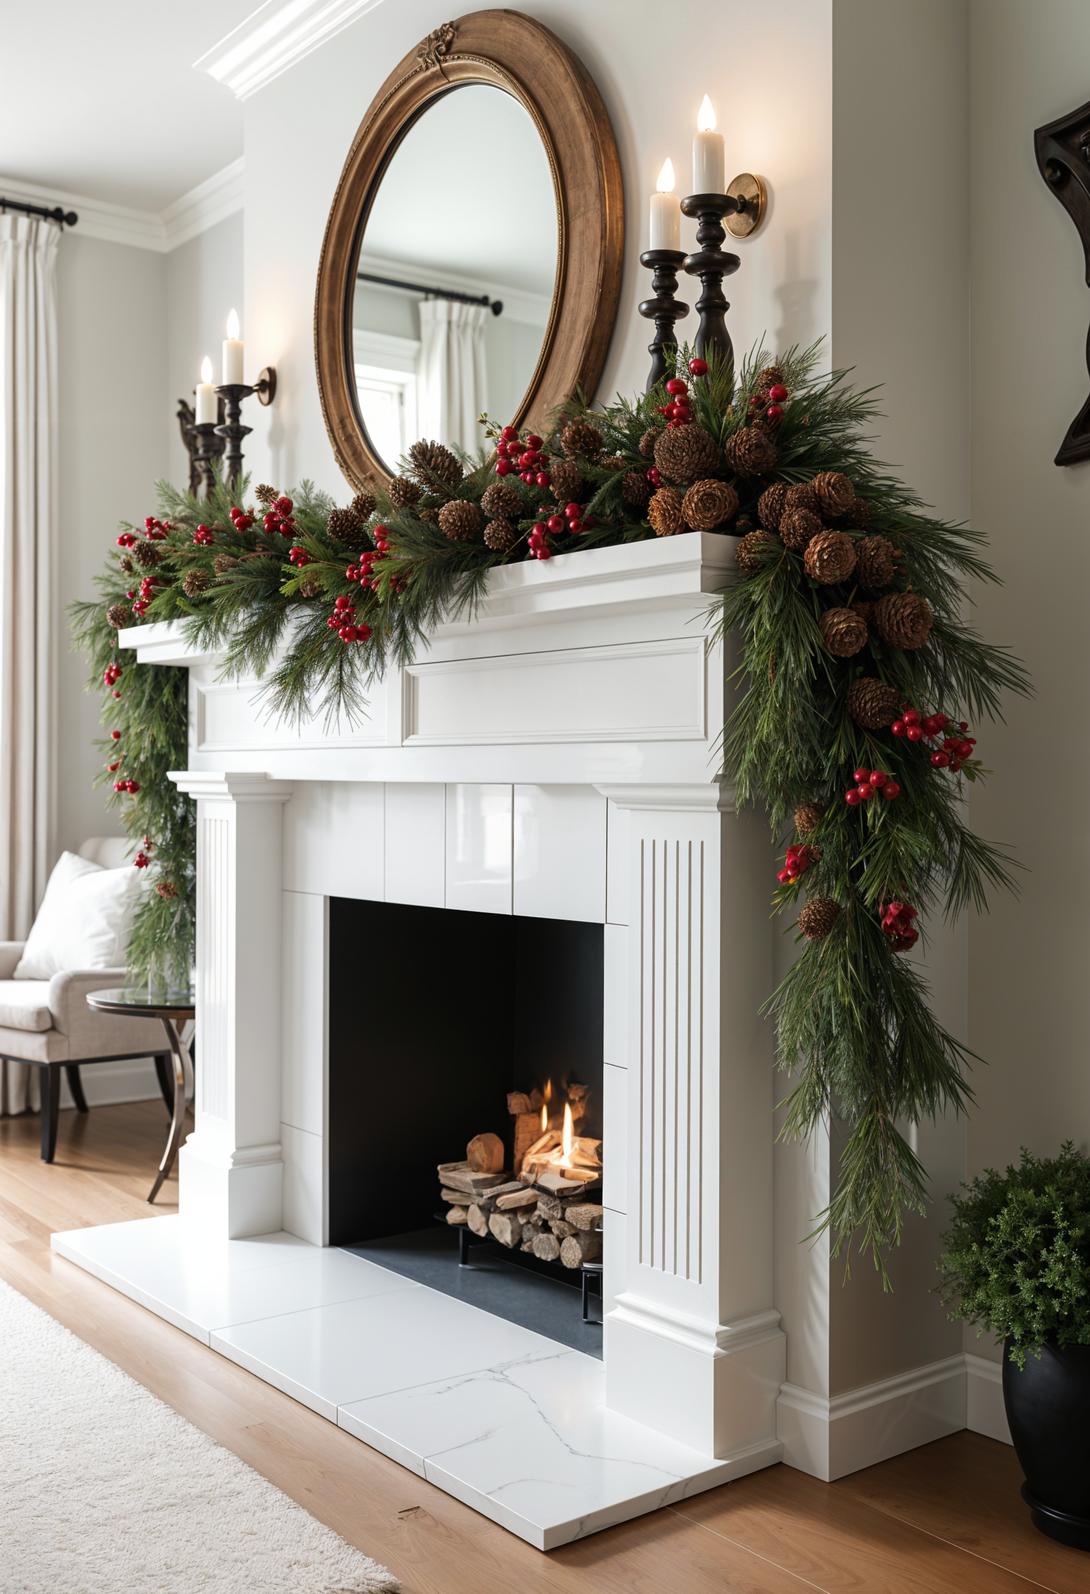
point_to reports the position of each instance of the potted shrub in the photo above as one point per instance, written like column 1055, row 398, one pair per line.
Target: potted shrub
column 1016, row 1261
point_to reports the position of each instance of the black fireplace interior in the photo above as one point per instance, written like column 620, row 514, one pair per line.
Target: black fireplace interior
column 434, row 1015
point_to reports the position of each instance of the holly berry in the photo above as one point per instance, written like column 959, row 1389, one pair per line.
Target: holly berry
column 878, row 777
column 573, row 511
column 203, row 534
column 940, row 760
column 677, row 385
column 534, row 442
column 654, row 476
column 115, row 736
column 508, row 434
column 141, row 861
column 914, row 733
column 553, row 524
column 697, row 366
column 299, row 557
column 852, row 797
column 543, row 478
column 774, row 412
column 504, row 467
column 126, row 540
column 890, row 790
column 860, row 775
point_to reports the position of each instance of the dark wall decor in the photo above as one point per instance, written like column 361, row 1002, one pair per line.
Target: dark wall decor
column 1063, row 155
column 512, row 52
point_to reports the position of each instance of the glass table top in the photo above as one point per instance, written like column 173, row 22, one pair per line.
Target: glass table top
column 147, row 1000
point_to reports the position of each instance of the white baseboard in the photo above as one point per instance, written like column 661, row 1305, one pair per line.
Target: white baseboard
column 984, row 1409
column 831, row 1437
column 109, row 1084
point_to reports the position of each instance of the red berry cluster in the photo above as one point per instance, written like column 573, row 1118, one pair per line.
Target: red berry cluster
column 870, row 783
column 147, row 592
column 203, row 535
column 126, row 540
column 141, row 861
column 956, row 749
column 343, row 621
column 654, row 476
column 299, row 557
column 538, row 541
column 797, row 861
column 111, row 675
column 524, row 455
column 364, row 567
column 241, row 519
column 771, row 401
column 277, row 521
column 679, row 411
column 899, row 925
column 156, row 530
column 131, row 786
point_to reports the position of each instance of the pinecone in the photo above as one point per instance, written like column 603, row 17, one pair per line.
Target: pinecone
column 835, row 491
column 771, row 376
column 818, row 917
column 864, row 609
column 754, row 550
column 146, row 555
column 648, row 441
column 434, row 463
column 403, row 493
column 844, row 632
column 750, row 452
column 345, row 524
column 119, row 615
column 428, row 513
column 683, row 453
column 798, row 528
column 771, row 505
column 310, row 588
column 167, row 889
column 635, row 489
column 363, row 506
column 224, row 562
column 460, row 520
column 829, row 557
column 872, row 704
column 194, row 582
column 801, row 495
column 874, row 561
column 613, row 462
column 858, row 514
column 501, row 501
column 580, row 439
column 266, row 495
column 566, row 480
column 808, row 817
column 709, row 503
column 903, row 619
column 664, row 512
column 500, row 535
column 126, row 564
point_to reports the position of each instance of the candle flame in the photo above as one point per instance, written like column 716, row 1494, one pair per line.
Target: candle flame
column 705, row 117
column 667, row 179
column 544, row 1118
column 206, row 369
column 548, row 1091
column 233, row 322
column 567, row 1136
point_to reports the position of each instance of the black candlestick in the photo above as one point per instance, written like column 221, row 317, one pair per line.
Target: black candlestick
column 663, row 309
column 711, row 264
column 207, row 449
column 232, row 430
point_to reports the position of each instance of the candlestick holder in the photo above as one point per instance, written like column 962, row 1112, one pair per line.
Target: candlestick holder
column 663, row 309
column 232, row 431
column 711, row 263
column 207, row 448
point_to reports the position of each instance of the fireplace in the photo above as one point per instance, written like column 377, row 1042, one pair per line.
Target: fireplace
column 465, row 1093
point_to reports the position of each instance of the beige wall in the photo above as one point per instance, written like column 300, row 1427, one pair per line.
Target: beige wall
column 1028, row 1008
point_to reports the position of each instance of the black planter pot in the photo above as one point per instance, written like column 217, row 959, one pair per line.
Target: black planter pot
column 1048, row 1409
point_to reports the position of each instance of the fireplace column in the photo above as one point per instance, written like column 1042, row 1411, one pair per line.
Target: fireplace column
column 693, row 1344
column 230, row 1167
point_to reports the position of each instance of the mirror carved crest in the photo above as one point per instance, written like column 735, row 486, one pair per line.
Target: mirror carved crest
column 472, row 258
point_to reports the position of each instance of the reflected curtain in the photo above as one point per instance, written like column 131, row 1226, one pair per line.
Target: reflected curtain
column 29, row 633
column 451, row 372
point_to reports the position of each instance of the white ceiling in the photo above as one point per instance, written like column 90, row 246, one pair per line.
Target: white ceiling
column 100, row 97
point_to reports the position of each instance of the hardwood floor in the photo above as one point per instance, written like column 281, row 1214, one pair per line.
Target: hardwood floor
column 943, row 1518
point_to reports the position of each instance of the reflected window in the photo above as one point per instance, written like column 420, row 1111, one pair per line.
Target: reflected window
column 387, row 382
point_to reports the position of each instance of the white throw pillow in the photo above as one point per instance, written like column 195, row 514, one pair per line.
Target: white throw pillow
column 84, row 922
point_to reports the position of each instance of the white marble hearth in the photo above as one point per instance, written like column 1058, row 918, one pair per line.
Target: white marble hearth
column 503, row 1419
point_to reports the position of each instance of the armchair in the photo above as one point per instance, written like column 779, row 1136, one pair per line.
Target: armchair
column 47, row 1024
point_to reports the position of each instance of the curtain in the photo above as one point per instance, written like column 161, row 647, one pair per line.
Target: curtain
column 451, row 372
column 29, row 635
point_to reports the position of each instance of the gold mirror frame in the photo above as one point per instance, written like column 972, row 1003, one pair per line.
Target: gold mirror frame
column 512, row 52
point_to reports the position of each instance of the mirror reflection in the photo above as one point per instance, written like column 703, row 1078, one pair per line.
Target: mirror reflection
column 455, row 274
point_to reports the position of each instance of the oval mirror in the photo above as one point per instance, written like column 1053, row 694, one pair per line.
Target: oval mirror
column 472, row 257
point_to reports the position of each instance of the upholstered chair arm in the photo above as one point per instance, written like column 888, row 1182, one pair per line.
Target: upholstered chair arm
column 94, row 1034
column 10, row 953
column 68, row 995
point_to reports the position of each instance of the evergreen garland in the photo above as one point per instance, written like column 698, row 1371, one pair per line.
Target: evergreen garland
column 319, row 601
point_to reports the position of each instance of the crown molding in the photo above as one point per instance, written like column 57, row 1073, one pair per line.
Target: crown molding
column 212, row 201
column 274, row 38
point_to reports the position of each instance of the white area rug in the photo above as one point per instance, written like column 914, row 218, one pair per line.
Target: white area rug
column 105, row 1490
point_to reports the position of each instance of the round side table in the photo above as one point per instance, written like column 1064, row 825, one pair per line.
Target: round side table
column 174, row 1009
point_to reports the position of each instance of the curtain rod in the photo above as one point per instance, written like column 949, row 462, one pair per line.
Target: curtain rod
column 67, row 218
column 495, row 305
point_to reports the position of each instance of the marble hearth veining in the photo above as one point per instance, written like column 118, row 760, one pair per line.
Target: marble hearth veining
column 555, row 758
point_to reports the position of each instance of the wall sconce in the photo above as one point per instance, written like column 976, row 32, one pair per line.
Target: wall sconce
column 741, row 203
column 217, row 430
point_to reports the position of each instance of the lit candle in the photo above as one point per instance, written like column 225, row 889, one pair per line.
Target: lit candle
column 233, row 351
column 709, row 158
column 665, row 211
column 207, row 408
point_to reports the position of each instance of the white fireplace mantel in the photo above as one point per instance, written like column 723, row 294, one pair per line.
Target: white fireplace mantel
column 555, row 756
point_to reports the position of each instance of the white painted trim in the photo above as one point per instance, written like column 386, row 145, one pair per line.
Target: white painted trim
column 985, row 1411
column 274, row 38
column 212, row 201
column 831, row 1437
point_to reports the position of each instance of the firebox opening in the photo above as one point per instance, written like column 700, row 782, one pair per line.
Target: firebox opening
column 440, row 1022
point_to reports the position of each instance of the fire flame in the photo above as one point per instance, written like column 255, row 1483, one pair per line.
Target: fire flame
column 544, row 1118
column 567, row 1137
